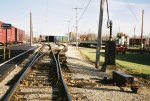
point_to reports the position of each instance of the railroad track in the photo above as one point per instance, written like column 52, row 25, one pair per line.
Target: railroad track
column 42, row 80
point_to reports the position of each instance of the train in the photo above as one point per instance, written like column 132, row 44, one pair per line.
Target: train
column 14, row 34
column 137, row 41
column 52, row 38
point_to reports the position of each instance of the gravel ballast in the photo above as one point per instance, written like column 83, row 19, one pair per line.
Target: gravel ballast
column 92, row 90
column 4, row 86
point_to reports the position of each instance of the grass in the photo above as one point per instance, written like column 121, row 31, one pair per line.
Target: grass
column 91, row 54
column 134, row 62
column 138, row 47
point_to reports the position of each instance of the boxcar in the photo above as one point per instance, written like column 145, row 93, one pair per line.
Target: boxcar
column 2, row 36
column 14, row 35
column 61, row 38
column 20, row 35
column 11, row 35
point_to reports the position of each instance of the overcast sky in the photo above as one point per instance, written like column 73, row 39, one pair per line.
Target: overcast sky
column 50, row 16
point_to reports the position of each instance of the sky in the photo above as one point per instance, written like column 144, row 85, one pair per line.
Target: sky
column 49, row 17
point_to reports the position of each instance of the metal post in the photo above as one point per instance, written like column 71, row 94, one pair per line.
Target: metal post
column 134, row 37
column 6, row 38
column 9, row 52
column 76, row 27
column 4, row 55
column 99, row 34
column 110, row 30
column 31, row 29
column 142, row 30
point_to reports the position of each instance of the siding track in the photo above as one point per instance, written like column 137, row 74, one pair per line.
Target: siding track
column 42, row 80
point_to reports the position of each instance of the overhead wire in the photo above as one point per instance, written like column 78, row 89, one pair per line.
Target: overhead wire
column 83, row 3
column 84, row 10
column 130, row 8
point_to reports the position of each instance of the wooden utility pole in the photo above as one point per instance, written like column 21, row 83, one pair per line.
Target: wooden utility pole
column 77, row 35
column 99, row 34
column 31, row 30
column 142, row 29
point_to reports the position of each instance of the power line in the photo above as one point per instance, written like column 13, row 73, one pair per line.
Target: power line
column 130, row 8
column 31, row 29
column 83, row 3
column 84, row 10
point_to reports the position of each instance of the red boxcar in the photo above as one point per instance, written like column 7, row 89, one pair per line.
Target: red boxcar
column 14, row 35
column 10, row 35
column 23, row 36
column 2, row 35
column 20, row 35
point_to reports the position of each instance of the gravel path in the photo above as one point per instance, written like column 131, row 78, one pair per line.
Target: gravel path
column 84, row 71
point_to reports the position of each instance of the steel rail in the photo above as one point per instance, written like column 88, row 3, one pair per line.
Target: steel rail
column 58, row 73
column 37, row 56
column 61, row 76
column 64, row 84
column 17, row 56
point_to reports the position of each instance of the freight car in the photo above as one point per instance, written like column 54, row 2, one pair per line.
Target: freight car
column 52, row 38
column 61, row 39
column 137, row 41
column 14, row 35
column 20, row 35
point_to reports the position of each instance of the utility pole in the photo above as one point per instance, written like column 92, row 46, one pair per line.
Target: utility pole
column 99, row 34
column 31, row 30
column 89, row 31
column 68, row 31
column 90, row 37
column 110, row 25
column 77, row 35
column 142, row 29
column 134, row 35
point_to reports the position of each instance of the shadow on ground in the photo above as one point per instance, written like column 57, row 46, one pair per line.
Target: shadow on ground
column 82, row 69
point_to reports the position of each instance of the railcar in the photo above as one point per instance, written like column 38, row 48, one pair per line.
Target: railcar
column 52, row 38
column 14, row 35
column 61, row 39
column 20, row 35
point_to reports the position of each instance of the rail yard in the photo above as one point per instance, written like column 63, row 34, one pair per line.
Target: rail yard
column 41, row 76
column 101, row 53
